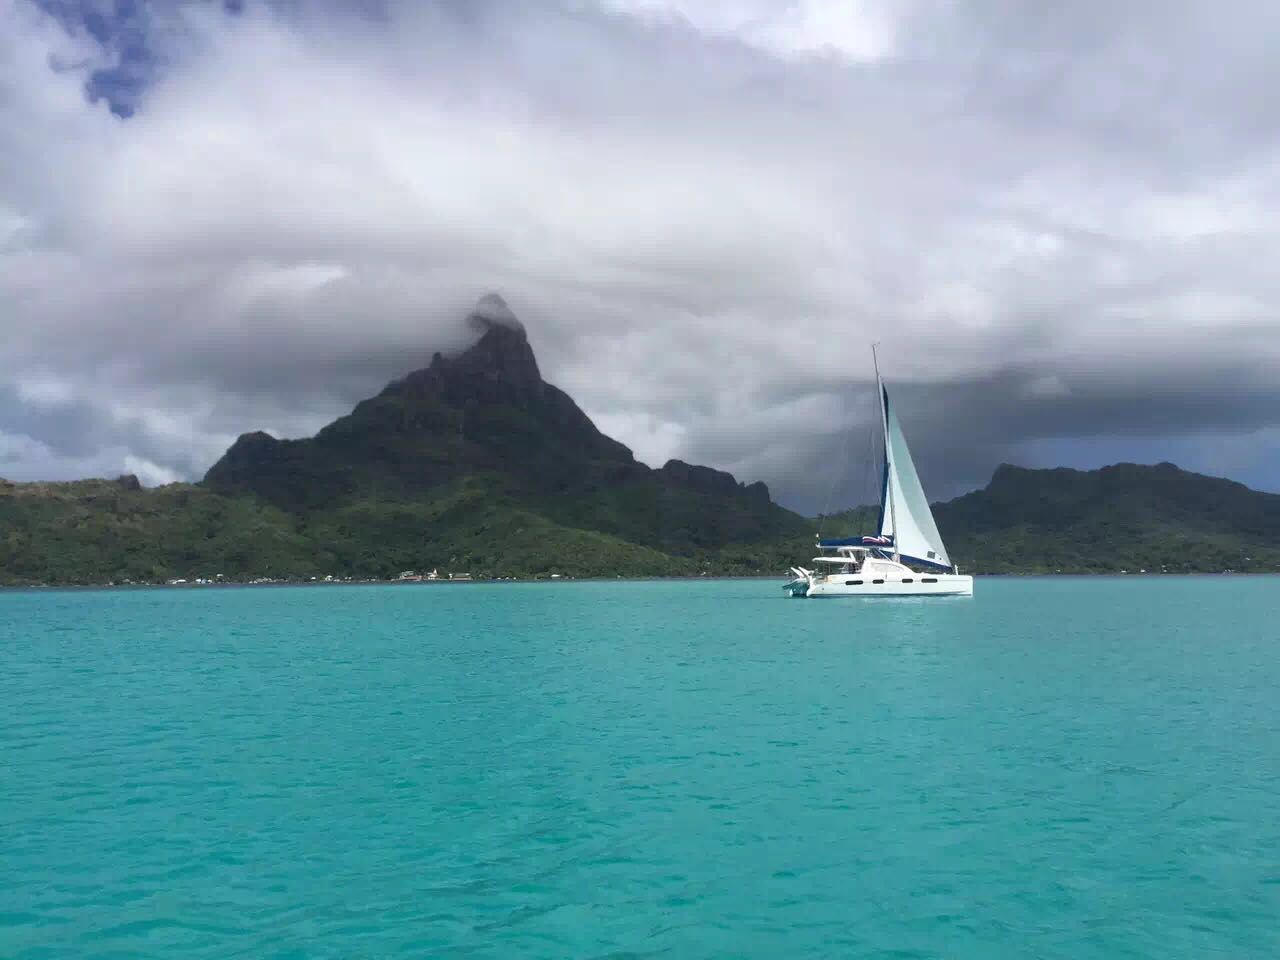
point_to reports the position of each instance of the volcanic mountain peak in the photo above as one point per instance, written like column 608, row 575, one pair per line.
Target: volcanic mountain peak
column 492, row 311
column 485, row 420
column 502, row 354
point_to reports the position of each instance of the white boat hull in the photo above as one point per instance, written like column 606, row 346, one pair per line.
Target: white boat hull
column 919, row 585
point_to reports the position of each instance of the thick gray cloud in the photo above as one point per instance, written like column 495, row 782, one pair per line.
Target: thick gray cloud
column 1058, row 223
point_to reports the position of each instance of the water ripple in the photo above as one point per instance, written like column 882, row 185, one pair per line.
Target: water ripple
column 641, row 770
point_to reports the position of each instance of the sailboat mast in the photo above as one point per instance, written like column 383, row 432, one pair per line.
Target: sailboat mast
column 884, row 425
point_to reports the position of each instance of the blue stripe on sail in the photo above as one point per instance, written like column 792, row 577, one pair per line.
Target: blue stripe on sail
column 857, row 542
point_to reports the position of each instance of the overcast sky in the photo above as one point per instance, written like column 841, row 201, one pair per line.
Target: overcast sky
column 1058, row 220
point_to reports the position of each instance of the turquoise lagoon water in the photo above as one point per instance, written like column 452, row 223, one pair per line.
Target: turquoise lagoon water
column 1056, row 768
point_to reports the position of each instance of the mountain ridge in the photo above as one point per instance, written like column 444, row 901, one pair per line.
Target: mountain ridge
column 475, row 463
column 1121, row 517
column 487, row 413
column 114, row 530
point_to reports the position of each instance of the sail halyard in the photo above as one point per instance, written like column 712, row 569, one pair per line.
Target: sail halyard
column 886, row 492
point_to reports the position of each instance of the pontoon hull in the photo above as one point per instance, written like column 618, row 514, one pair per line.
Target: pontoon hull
column 922, row 585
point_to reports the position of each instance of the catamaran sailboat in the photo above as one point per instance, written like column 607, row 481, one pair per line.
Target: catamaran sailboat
column 906, row 558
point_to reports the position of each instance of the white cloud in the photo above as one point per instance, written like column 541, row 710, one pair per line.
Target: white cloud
column 653, row 441
column 861, row 30
column 44, row 393
column 149, row 474
column 23, row 458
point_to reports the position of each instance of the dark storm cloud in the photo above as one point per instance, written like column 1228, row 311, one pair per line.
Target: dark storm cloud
column 1057, row 221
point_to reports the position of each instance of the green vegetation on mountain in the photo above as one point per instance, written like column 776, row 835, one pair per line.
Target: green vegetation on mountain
column 100, row 531
column 1120, row 518
column 476, row 465
column 1123, row 517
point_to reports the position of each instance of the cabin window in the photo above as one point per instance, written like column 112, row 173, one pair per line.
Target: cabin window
column 907, row 580
column 877, row 581
column 929, row 580
column 853, row 583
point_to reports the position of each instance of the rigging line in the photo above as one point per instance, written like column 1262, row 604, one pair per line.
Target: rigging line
column 836, row 476
column 868, row 478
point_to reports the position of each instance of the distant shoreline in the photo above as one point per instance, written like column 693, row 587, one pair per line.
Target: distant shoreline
column 780, row 578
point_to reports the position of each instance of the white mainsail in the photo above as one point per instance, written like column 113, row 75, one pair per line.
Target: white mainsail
column 904, row 511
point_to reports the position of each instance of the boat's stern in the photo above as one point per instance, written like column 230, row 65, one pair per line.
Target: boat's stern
column 799, row 587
